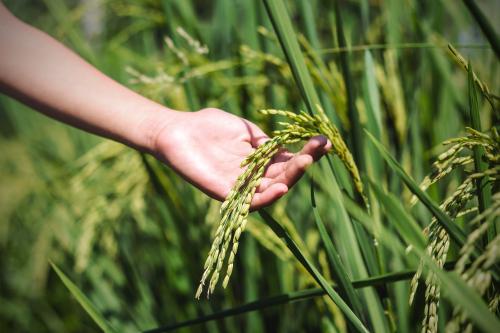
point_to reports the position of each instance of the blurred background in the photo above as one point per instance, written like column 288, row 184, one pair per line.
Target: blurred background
column 134, row 236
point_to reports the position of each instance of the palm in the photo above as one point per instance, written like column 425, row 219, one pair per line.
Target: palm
column 207, row 148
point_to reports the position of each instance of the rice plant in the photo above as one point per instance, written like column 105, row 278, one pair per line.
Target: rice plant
column 403, row 210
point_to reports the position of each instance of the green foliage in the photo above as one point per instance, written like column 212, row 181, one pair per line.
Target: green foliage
column 133, row 236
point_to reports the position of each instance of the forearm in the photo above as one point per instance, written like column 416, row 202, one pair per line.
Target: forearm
column 41, row 72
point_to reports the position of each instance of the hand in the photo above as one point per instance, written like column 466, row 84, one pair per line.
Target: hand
column 208, row 146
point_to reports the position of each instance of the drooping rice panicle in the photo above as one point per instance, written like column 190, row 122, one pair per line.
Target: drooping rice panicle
column 454, row 205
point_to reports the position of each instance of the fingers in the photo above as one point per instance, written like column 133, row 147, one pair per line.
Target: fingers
column 286, row 169
column 316, row 147
column 289, row 174
column 267, row 197
column 294, row 169
column 290, row 171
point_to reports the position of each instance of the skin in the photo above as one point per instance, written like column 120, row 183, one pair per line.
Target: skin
column 205, row 147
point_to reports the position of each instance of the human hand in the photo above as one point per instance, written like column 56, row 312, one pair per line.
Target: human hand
column 207, row 147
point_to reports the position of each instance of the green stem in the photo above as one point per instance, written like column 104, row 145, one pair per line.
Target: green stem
column 292, row 246
column 293, row 296
column 483, row 185
column 368, row 47
column 290, row 46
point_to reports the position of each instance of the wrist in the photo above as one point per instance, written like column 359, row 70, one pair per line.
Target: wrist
column 153, row 124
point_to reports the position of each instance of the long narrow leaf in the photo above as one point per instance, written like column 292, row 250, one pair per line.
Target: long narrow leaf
column 357, row 130
column 349, row 247
column 84, row 301
column 403, row 222
column 283, row 26
column 339, row 271
column 455, row 289
column 483, row 185
column 283, row 234
column 456, row 234
column 289, row 297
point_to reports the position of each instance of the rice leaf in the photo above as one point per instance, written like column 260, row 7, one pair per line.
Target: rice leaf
column 367, row 248
column 483, row 185
column 84, row 301
column 357, row 129
column 455, row 289
column 283, row 234
column 349, row 246
column 403, row 222
column 285, row 298
column 290, row 46
column 443, row 219
column 339, row 271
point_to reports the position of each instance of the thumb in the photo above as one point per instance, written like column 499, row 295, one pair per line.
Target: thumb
column 257, row 136
column 316, row 147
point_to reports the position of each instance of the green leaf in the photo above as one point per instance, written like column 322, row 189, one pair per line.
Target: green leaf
column 293, row 296
column 339, row 271
column 283, row 234
column 483, row 186
column 349, row 246
column 455, row 233
column 357, row 128
column 367, row 248
column 372, row 99
column 455, row 289
column 84, row 301
column 403, row 222
column 288, row 40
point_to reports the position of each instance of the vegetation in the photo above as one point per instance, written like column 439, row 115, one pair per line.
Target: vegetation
column 399, row 224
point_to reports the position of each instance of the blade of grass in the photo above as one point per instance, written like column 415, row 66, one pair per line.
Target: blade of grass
column 483, row 185
column 357, row 138
column 456, row 234
column 455, row 289
column 402, row 221
column 289, row 297
column 286, row 35
column 282, row 24
column 283, row 234
column 308, row 15
column 349, row 247
column 387, row 46
column 84, row 301
column 357, row 131
column 374, row 164
column 404, row 225
column 372, row 97
column 339, row 271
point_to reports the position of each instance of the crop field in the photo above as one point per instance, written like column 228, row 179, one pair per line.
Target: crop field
column 396, row 229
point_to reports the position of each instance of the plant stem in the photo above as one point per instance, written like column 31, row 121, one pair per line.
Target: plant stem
column 483, row 185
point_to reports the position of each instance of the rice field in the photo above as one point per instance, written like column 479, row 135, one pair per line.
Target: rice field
column 395, row 230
